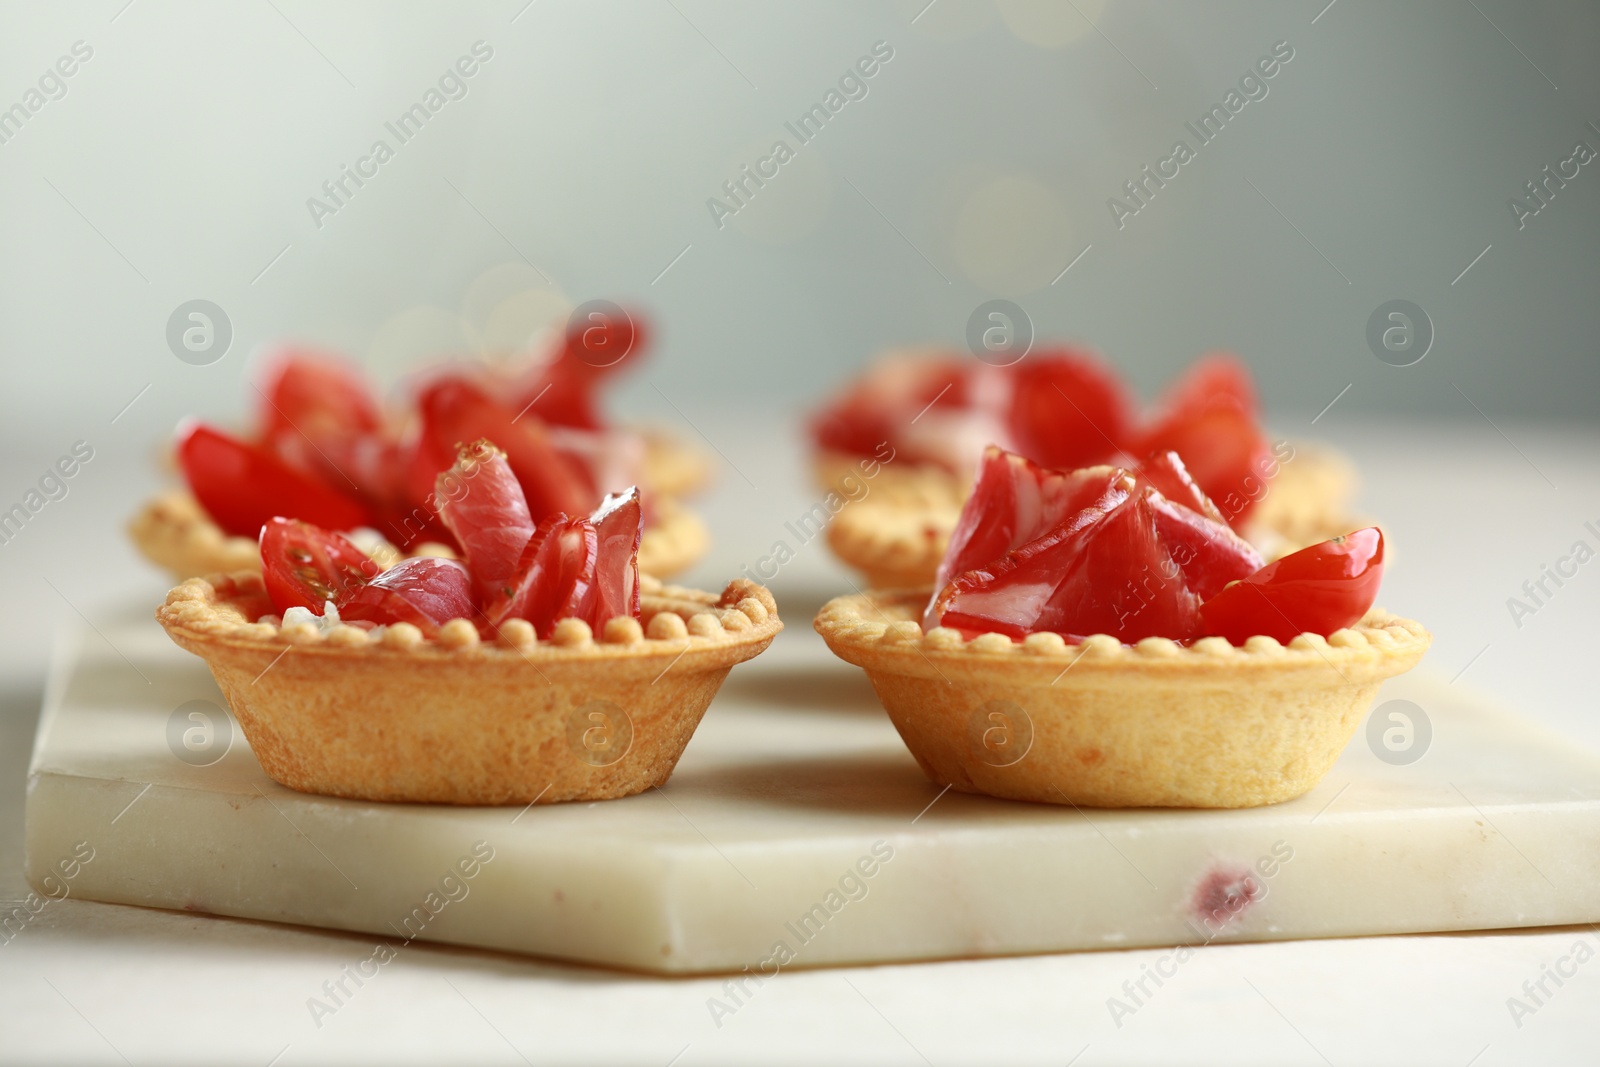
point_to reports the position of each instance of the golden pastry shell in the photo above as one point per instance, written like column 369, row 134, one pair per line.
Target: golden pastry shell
column 1154, row 724
column 459, row 720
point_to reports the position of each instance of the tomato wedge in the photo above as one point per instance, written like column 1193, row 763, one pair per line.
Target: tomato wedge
column 242, row 485
column 424, row 591
column 305, row 566
column 1209, row 418
column 1317, row 590
column 1068, row 410
column 316, row 394
column 483, row 507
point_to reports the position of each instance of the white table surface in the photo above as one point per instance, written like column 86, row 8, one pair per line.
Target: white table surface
column 1472, row 513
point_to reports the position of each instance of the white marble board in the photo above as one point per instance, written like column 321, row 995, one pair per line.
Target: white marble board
column 798, row 831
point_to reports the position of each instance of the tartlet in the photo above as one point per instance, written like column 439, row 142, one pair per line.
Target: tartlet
column 325, row 447
column 926, row 416
column 1103, row 637
column 1103, row 724
column 460, row 720
column 173, row 531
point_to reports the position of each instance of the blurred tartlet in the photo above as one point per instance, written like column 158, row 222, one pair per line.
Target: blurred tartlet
column 1064, row 408
column 323, row 449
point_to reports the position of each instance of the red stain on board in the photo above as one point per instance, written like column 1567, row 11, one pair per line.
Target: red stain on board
column 1224, row 893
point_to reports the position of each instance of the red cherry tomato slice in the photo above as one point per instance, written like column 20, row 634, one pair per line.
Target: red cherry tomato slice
column 305, row 566
column 619, row 524
column 482, row 504
column 242, row 485
column 1317, row 590
column 455, row 412
column 1209, row 419
column 1068, row 410
column 554, row 577
column 423, row 591
column 1214, row 376
column 316, row 394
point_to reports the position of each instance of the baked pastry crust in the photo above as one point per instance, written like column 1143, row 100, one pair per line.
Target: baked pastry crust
column 1103, row 724
column 897, row 481
column 897, row 533
column 457, row 720
column 174, row 532
column 672, row 466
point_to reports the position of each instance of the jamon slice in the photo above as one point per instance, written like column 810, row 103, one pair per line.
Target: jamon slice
column 1104, row 572
column 424, row 591
column 455, row 411
column 1014, row 501
column 1099, row 550
column 582, row 568
column 882, row 405
column 618, row 523
column 1207, row 552
column 1197, row 536
column 1124, row 581
column 1068, row 410
column 554, row 576
column 1167, row 473
column 586, row 568
column 1012, row 593
column 483, row 507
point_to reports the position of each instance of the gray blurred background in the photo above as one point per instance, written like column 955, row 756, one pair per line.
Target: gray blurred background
column 177, row 160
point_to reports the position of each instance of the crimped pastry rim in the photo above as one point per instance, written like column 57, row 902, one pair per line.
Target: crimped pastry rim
column 207, row 612
column 884, row 624
column 172, row 525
